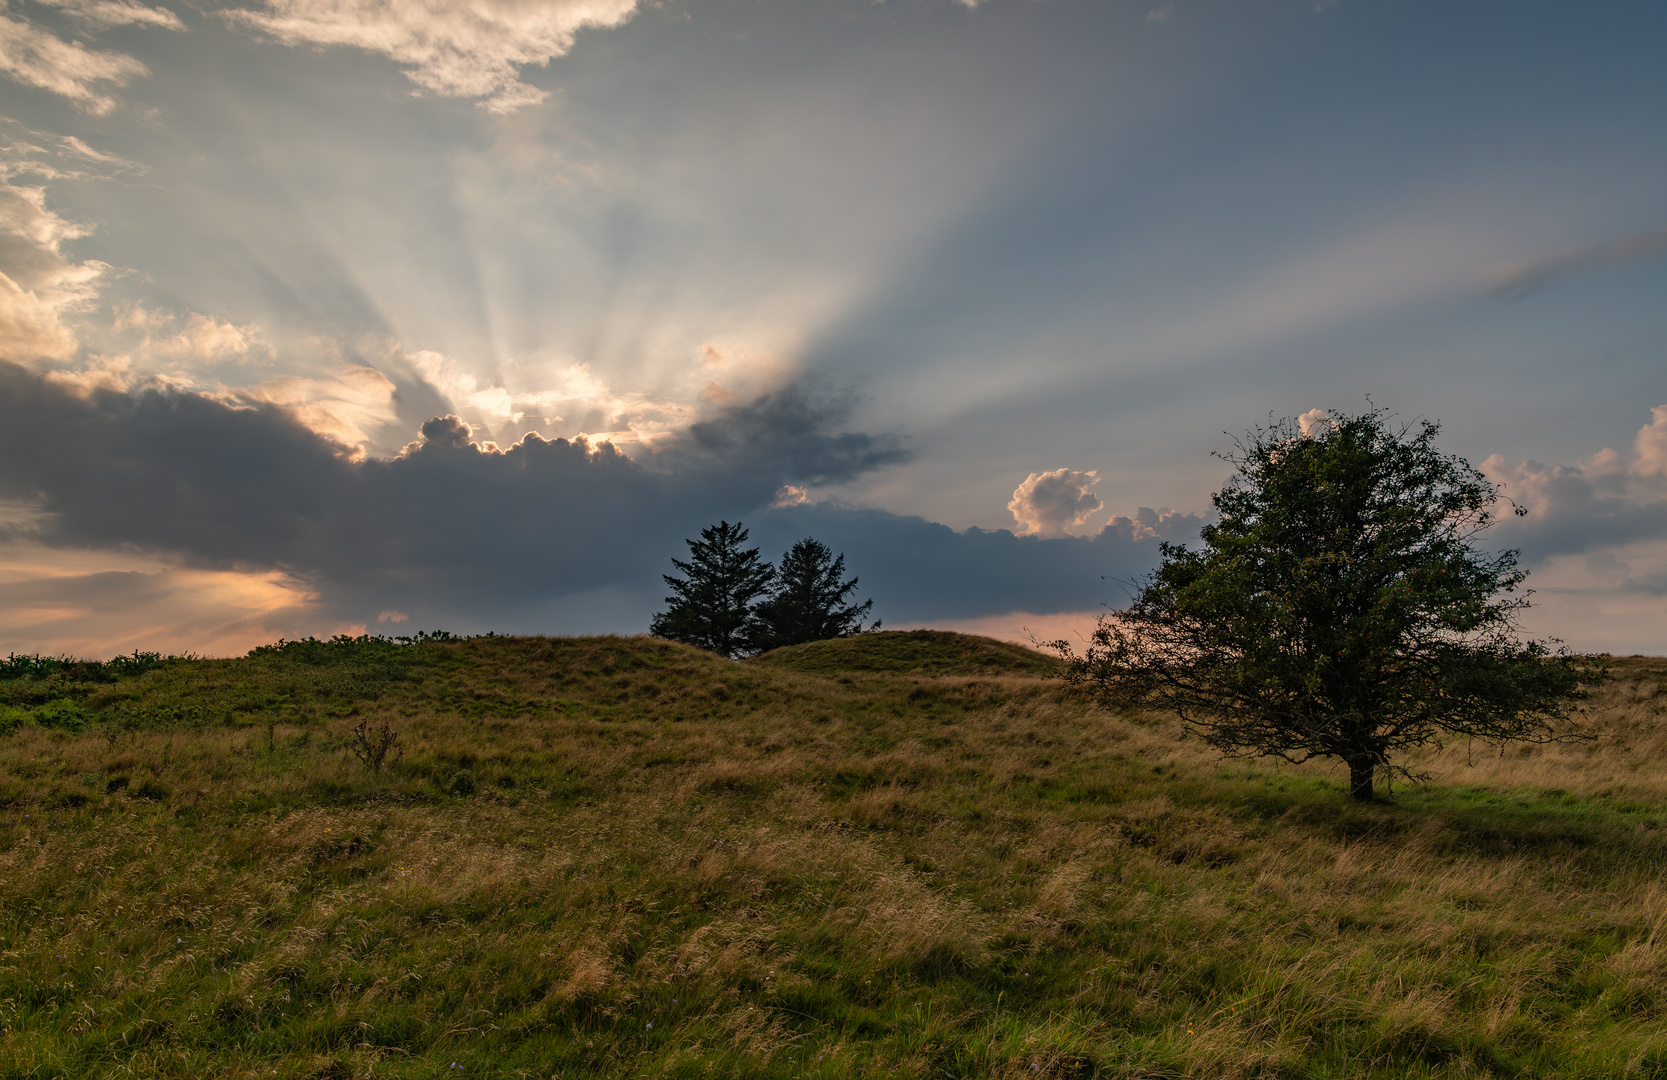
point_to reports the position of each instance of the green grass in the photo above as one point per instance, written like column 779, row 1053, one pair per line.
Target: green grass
column 912, row 652
column 902, row 855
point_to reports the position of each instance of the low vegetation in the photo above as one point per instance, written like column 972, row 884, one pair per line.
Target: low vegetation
column 891, row 855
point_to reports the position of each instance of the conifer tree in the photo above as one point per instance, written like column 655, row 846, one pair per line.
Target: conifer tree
column 711, row 607
column 808, row 602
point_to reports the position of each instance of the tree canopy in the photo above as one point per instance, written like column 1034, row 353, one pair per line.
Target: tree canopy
column 731, row 602
column 1341, row 607
column 809, row 601
column 711, row 607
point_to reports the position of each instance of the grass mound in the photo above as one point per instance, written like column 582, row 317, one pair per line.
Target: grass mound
column 622, row 857
column 918, row 652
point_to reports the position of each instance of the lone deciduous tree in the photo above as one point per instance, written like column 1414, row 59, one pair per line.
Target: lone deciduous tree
column 1340, row 608
column 711, row 607
column 808, row 602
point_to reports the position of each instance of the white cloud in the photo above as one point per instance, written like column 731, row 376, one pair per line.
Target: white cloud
column 1596, row 532
column 468, row 50
column 37, row 57
column 207, row 340
column 1599, row 488
column 572, row 393
column 25, row 152
column 39, row 284
column 98, row 372
column 1314, row 423
column 117, row 13
column 1051, row 504
column 339, row 407
column 1650, row 446
column 29, row 326
column 139, row 343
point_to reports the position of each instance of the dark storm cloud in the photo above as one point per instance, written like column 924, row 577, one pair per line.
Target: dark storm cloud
column 166, row 471
column 460, row 533
column 918, row 570
column 785, row 431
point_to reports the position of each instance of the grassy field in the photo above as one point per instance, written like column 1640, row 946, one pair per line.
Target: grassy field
column 905, row 855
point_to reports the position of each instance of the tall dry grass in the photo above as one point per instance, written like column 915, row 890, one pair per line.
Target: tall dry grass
column 661, row 864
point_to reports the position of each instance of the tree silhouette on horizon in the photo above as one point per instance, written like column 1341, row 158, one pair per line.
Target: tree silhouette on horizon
column 711, row 607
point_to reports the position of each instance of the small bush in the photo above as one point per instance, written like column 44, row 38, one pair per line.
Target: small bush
column 372, row 745
column 63, row 714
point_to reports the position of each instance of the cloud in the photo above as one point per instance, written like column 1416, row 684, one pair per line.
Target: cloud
column 117, row 13
column 791, row 495
column 545, row 534
column 69, row 602
column 1150, row 524
column 1650, row 446
column 29, row 326
column 39, row 284
column 141, row 348
column 159, row 340
column 1520, row 278
column 784, row 432
column 921, row 572
column 343, row 408
column 37, row 57
column 570, row 393
column 1609, row 499
column 1051, row 504
column 208, row 340
column 244, row 483
column 27, row 152
column 464, row 50
column 1314, row 423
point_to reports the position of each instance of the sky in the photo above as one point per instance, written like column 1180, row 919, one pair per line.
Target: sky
column 325, row 316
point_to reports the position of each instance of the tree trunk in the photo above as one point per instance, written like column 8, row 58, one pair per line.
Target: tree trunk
column 1360, row 777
